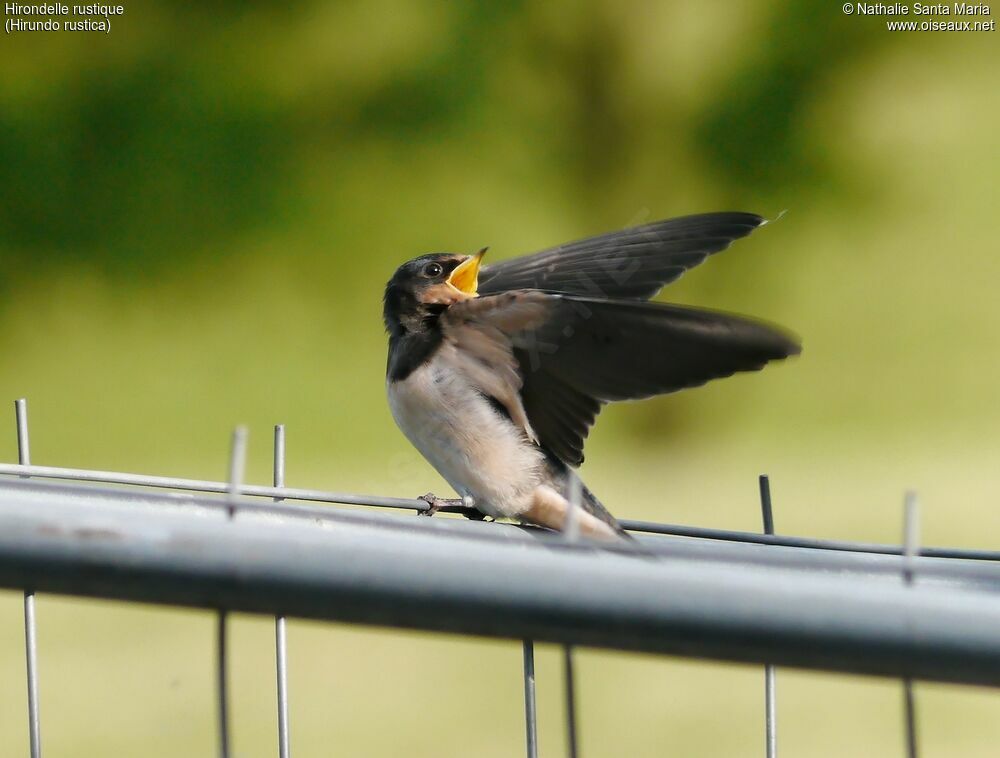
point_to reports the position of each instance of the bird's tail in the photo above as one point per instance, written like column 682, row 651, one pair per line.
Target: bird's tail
column 595, row 507
column 588, row 500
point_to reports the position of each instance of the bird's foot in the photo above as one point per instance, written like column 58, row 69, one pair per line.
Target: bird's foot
column 464, row 505
column 474, row 515
column 437, row 503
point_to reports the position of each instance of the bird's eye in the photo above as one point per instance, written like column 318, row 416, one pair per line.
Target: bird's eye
column 433, row 269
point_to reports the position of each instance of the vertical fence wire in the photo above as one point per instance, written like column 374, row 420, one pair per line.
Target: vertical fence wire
column 770, row 702
column 222, row 658
column 280, row 639
column 571, row 741
column 911, row 539
column 530, row 708
column 30, row 632
column 530, row 705
column 571, row 529
column 237, row 467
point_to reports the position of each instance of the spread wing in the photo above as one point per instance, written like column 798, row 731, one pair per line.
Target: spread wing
column 574, row 354
column 631, row 263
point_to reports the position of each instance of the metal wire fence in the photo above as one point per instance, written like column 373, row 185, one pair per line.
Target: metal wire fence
column 903, row 611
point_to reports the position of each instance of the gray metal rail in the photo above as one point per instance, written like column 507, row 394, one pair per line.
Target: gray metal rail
column 798, row 607
column 418, row 505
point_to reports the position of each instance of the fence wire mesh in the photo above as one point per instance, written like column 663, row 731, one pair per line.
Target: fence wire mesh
column 893, row 610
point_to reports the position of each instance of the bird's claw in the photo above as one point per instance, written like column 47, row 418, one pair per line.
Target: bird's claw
column 465, row 505
column 436, row 503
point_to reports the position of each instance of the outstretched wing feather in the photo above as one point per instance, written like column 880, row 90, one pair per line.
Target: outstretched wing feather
column 574, row 354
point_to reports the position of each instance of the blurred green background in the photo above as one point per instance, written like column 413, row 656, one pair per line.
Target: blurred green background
column 198, row 213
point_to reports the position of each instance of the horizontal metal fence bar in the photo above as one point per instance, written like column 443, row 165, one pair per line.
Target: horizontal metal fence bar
column 202, row 485
column 416, row 504
column 870, row 566
column 732, row 535
column 433, row 575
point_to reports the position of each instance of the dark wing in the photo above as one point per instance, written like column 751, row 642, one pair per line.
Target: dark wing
column 631, row 263
column 576, row 354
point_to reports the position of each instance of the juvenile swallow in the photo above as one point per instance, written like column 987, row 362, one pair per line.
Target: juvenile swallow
column 497, row 373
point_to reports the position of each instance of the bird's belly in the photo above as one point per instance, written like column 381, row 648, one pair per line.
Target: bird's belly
column 478, row 451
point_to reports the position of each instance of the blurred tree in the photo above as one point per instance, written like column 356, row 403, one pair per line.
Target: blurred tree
column 135, row 168
column 753, row 133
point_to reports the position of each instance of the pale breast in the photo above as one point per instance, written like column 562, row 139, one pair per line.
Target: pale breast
column 477, row 450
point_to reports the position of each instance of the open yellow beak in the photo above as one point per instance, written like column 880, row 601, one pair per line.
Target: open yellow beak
column 465, row 278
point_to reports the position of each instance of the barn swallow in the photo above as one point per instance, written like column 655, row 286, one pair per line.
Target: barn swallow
column 496, row 373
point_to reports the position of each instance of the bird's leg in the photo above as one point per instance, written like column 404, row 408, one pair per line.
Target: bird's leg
column 471, row 512
column 464, row 505
column 437, row 503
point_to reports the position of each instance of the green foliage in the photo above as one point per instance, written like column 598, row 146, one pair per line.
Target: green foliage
column 206, row 158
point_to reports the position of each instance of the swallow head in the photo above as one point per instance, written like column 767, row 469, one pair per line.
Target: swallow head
column 423, row 287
